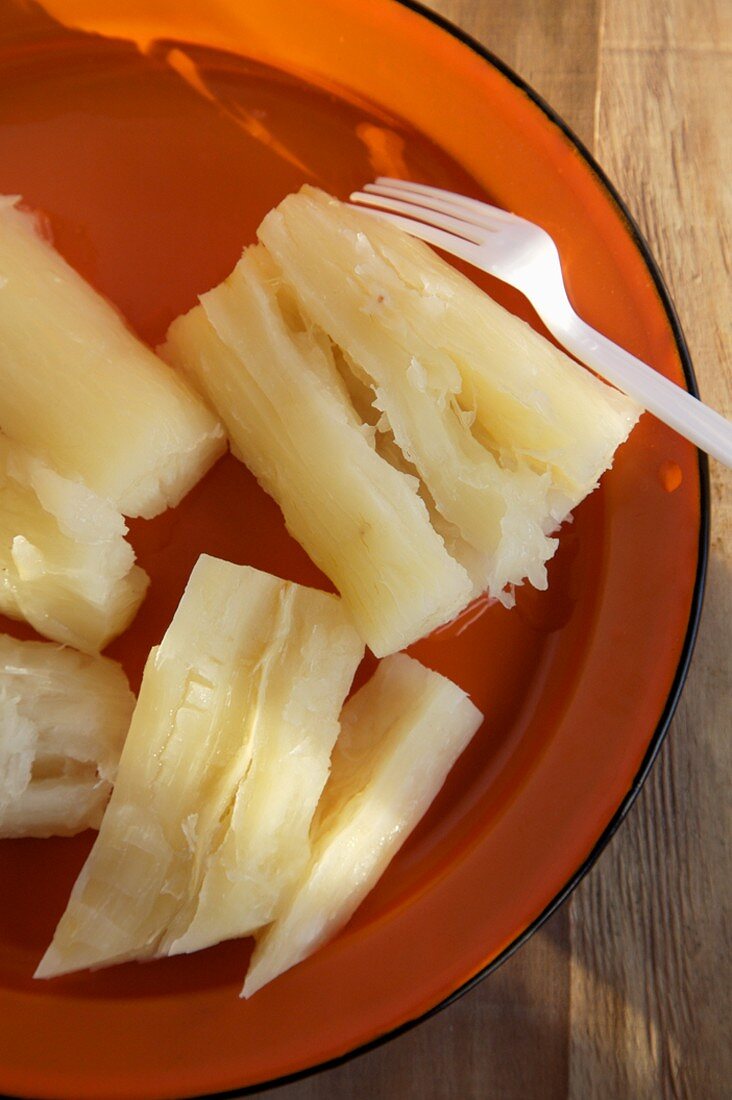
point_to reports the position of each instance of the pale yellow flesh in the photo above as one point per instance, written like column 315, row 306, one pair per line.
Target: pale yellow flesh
column 65, row 566
column 391, row 295
column 326, row 260
column 238, row 710
column 401, row 734
column 275, row 382
column 81, row 391
column 337, row 332
column 63, row 721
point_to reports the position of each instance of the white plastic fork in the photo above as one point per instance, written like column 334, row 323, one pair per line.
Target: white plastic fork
column 522, row 254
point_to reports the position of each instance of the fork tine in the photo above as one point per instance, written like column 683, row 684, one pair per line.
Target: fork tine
column 458, row 202
column 483, row 220
column 441, row 221
column 448, row 242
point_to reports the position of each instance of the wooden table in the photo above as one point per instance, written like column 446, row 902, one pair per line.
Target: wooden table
column 625, row 994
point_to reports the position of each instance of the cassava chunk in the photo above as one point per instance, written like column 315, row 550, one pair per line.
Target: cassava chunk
column 222, row 769
column 401, row 734
column 81, row 391
column 63, row 721
column 65, row 566
column 350, row 362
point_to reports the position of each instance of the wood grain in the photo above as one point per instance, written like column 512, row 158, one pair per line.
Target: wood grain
column 554, row 46
column 650, row 978
column 625, row 994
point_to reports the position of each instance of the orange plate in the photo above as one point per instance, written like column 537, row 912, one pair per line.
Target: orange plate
column 154, row 135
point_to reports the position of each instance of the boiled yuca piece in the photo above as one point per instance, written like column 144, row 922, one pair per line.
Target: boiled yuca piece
column 401, row 734
column 407, row 316
column 63, row 720
column 275, row 382
column 81, row 391
column 500, row 511
column 65, row 566
column 222, row 769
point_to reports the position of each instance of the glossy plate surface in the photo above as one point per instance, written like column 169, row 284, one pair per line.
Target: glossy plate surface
column 154, row 136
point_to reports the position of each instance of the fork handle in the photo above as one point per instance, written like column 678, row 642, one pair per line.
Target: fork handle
column 670, row 403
